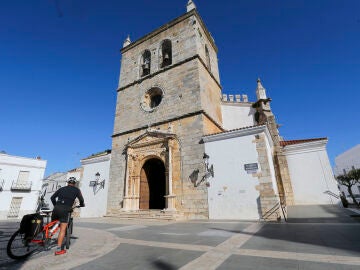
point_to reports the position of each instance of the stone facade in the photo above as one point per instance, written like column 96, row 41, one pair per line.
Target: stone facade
column 269, row 199
column 162, row 114
column 168, row 101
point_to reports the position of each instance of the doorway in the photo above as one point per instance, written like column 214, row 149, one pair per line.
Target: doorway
column 152, row 185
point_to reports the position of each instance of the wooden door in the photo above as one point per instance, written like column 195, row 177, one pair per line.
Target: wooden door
column 144, row 191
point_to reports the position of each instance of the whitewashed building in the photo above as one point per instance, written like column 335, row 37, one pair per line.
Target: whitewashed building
column 311, row 175
column 20, row 185
column 92, row 179
column 233, row 192
column 248, row 159
column 95, row 184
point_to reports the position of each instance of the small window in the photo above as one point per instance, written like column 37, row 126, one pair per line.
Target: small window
column 145, row 63
column 152, row 99
column 166, row 53
column 207, row 55
column 23, row 178
column 14, row 207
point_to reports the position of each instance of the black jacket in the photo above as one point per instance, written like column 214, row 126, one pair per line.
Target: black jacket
column 66, row 196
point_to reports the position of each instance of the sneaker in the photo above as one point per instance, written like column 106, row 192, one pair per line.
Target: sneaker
column 60, row 252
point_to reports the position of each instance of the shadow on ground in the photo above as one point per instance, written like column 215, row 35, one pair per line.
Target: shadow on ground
column 159, row 264
column 309, row 229
column 6, row 230
column 320, row 214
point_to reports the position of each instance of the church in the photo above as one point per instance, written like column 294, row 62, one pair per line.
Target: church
column 183, row 149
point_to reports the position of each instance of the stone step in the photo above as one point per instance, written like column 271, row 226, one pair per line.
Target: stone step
column 145, row 214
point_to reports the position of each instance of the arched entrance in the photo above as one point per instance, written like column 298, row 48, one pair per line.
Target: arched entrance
column 152, row 185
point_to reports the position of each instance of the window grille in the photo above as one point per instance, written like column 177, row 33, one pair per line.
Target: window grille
column 15, row 207
column 23, row 178
column 22, row 182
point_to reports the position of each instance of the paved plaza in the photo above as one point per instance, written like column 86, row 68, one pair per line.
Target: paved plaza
column 309, row 240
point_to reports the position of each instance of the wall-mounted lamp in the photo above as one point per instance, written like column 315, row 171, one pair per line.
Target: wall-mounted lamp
column 209, row 171
column 97, row 181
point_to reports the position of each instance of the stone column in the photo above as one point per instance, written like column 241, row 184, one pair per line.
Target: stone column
column 170, row 198
column 269, row 200
column 126, row 202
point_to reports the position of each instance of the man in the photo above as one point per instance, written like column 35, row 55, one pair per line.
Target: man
column 65, row 200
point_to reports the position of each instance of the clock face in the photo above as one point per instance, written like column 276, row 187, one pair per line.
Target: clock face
column 151, row 99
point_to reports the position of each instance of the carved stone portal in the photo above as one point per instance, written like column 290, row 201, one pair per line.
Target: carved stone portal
column 152, row 172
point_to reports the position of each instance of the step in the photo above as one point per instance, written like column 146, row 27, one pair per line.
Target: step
column 145, row 214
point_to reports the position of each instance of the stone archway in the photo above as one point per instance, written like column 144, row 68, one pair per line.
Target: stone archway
column 152, row 185
column 153, row 172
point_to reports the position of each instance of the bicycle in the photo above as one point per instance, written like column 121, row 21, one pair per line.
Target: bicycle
column 20, row 246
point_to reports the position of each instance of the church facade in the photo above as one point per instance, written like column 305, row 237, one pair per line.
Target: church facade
column 173, row 122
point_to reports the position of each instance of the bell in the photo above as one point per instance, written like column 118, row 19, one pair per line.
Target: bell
column 146, row 66
column 166, row 57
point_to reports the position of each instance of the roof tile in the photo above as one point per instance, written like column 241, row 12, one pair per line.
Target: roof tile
column 284, row 143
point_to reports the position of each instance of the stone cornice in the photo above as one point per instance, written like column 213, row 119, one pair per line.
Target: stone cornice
column 167, row 121
column 237, row 133
column 305, row 147
column 24, row 165
column 95, row 159
column 6, row 159
column 166, row 69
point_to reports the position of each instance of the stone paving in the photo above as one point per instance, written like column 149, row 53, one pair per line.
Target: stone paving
column 109, row 243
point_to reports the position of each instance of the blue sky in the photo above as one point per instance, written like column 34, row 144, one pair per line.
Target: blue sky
column 60, row 62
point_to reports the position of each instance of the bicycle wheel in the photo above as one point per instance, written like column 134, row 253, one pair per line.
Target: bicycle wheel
column 19, row 248
column 68, row 236
column 71, row 226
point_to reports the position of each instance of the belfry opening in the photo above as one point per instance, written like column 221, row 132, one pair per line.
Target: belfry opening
column 152, row 185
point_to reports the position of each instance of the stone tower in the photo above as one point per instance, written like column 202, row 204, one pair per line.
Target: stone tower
column 264, row 115
column 168, row 97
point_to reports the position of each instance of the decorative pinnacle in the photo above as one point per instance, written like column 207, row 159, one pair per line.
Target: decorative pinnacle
column 260, row 90
column 127, row 41
column 190, row 6
column 259, row 85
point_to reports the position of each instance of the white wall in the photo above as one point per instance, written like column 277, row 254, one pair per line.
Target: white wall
column 237, row 115
column 232, row 193
column 95, row 197
column 10, row 166
column 347, row 160
column 311, row 173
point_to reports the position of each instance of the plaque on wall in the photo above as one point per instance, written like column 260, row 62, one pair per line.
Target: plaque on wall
column 251, row 167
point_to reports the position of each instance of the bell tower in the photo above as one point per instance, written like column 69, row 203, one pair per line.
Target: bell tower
column 168, row 97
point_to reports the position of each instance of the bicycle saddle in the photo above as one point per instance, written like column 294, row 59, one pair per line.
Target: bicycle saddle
column 45, row 210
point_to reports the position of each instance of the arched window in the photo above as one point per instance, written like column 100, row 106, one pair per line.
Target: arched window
column 166, row 53
column 207, row 55
column 145, row 63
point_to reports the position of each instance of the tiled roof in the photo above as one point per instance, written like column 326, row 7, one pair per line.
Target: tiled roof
column 227, row 131
column 284, row 143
